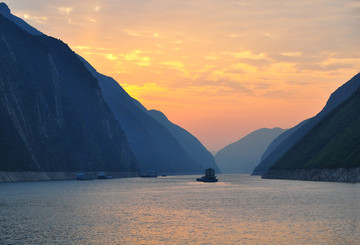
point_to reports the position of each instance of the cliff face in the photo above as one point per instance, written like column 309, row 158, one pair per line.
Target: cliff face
column 288, row 140
column 333, row 143
column 243, row 155
column 53, row 115
column 155, row 147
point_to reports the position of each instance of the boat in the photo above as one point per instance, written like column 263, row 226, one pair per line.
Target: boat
column 84, row 176
column 102, row 175
column 150, row 173
column 209, row 176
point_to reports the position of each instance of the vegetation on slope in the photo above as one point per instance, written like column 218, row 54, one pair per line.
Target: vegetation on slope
column 333, row 143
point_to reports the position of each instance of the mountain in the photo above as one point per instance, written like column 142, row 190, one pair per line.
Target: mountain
column 153, row 145
column 189, row 142
column 5, row 11
column 268, row 157
column 53, row 115
column 336, row 98
column 243, row 155
column 330, row 151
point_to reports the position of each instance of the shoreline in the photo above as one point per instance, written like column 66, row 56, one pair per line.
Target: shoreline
column 27, row 176
column 346, row 175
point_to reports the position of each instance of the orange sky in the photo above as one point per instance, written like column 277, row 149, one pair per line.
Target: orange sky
column 220, row 69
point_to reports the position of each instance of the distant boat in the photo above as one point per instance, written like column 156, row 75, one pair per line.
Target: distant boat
column 102, row 175
column 150, row 173
column 209, row 176
column 84, row 176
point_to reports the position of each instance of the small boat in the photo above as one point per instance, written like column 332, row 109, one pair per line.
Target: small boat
column 84, row 176
column 150, row 173
column 209, row 176
column 102, row 175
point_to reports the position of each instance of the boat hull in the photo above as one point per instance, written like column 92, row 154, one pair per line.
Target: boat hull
column 207, row 180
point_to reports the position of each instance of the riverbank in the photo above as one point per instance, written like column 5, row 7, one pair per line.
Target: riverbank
column 39, row 176
column 350, row 175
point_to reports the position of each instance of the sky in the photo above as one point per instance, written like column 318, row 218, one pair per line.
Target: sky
column 219, row 69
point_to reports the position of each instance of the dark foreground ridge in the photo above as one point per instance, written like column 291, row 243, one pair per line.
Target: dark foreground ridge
column 288, row 139
column 329, row 152
column 53, row 116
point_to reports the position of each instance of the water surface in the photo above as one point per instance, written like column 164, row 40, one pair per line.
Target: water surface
column 240, row 209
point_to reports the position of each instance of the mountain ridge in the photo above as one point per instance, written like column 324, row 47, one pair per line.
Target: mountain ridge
column 336, row 98
column 53, row 115
column 330, row 151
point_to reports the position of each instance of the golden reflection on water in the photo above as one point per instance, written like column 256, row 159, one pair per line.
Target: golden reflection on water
column 178, row 210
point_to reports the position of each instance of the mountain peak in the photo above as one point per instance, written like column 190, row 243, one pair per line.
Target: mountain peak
column 158, row 115
column 4, row 9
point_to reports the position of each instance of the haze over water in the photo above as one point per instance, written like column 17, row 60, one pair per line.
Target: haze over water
column 239, row 209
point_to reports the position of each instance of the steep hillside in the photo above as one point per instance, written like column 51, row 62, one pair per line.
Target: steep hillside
column 243, row 155
column 53, row 116
column 341, row 94
column 333, row 143
column 153, row 145
column 271, row 151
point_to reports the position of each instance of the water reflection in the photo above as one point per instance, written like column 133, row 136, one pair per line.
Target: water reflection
column 178, row 210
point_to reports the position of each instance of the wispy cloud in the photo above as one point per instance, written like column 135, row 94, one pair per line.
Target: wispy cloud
column 65, row 10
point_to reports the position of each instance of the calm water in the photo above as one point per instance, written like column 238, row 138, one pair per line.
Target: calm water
column 178, row 210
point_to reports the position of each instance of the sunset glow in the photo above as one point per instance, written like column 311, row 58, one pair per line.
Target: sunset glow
column 219, row 69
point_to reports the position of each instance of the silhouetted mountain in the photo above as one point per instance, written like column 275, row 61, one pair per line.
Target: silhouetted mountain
column 243, row 155
column 300, row 130
column 53, row 115
column 333, row 143
column 190, row 143
column 154, row 146
column 5, row 11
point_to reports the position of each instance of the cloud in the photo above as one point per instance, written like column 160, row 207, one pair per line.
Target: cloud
column 65, row 10
column 36, row 19
column 110, row 57
column 174, row 64
column 137, row 57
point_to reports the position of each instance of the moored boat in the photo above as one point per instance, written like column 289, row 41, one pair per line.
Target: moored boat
column 102, row 175
column 84, row 176
column 150, row 173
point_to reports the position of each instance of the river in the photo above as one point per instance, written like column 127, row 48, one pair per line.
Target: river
column 239, row 209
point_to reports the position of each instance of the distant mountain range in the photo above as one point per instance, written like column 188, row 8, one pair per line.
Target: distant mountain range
column 329, row 151
column 286, row 140
column 244, row 155
column 60, row 114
